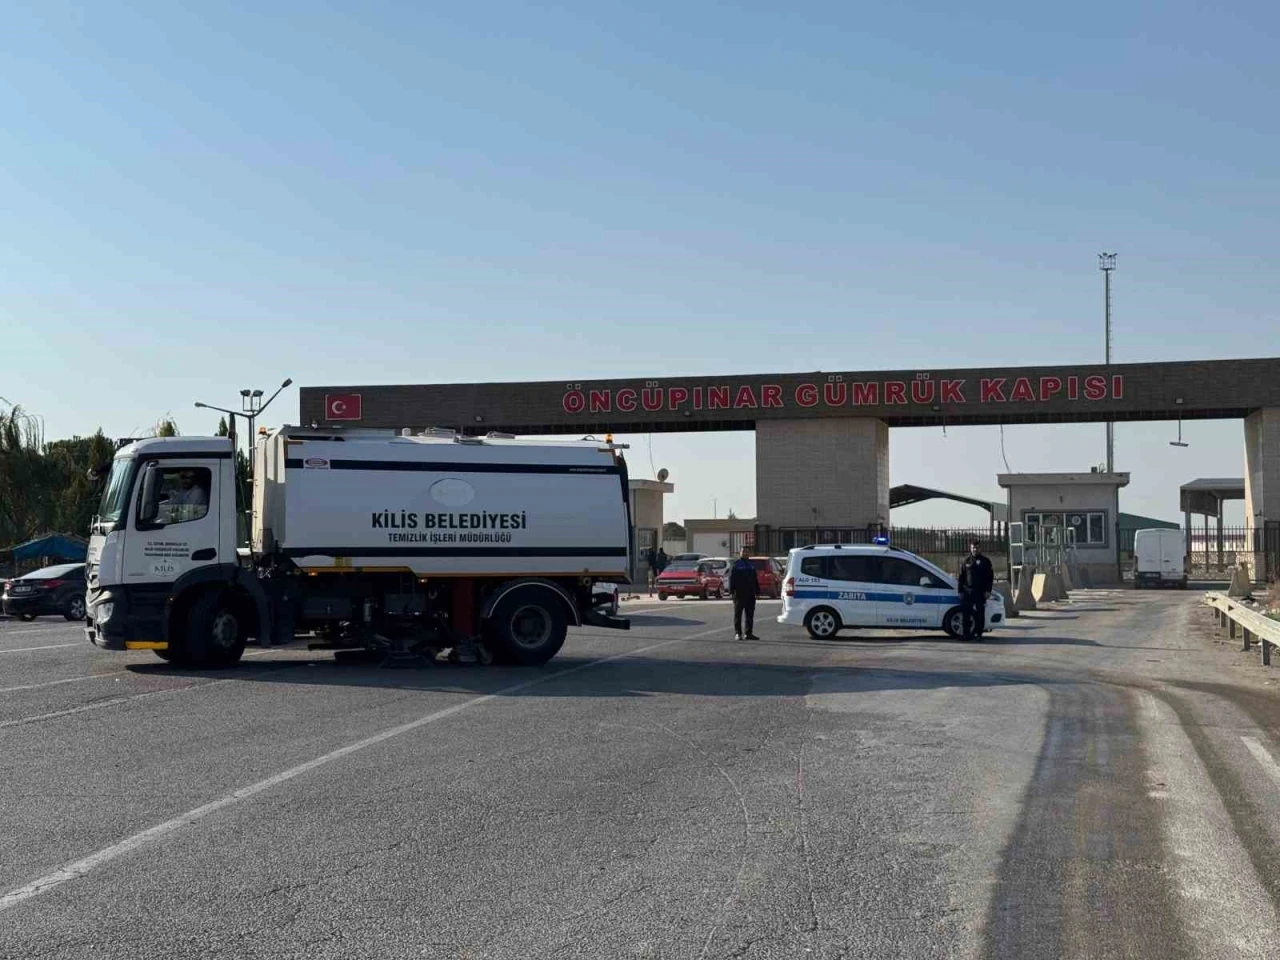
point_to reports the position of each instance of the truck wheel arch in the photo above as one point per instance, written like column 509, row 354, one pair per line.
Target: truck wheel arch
column 244, row 588
column 570, row 608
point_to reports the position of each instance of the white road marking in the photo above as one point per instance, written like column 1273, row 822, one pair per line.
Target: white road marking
column 1263, row 756
column 54, row 683
column 51, row 646
column 102, row 703
column 52, row 628
column 1205, row 854
column 79, row 868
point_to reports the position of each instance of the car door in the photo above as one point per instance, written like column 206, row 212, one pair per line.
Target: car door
column 852, row 587
column 911, row 596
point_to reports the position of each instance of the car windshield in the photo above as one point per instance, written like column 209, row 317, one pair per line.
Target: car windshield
column 116, row 493
column 685, row 567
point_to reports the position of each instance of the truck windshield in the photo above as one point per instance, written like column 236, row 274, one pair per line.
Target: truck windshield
column 116, row 493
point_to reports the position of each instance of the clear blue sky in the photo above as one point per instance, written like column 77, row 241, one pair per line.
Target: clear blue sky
column 199, row 197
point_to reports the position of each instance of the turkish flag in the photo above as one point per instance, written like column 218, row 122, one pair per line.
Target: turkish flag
column 342, row 406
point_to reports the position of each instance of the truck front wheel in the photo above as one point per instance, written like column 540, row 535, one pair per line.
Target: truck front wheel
column 527, row 627
column 215, row 634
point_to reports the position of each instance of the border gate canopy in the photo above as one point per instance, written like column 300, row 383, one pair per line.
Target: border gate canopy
column 1224, row 389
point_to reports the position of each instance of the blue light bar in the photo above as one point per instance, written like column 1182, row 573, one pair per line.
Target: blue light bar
column 880, row 541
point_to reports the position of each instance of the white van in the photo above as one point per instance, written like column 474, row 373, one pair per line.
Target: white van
column 1159, row 558
column 833, row 586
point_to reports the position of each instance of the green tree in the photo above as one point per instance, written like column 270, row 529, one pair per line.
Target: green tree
column 166, row 428
column 26, row 493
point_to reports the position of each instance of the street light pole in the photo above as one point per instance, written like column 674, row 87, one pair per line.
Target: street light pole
column 1107, row 263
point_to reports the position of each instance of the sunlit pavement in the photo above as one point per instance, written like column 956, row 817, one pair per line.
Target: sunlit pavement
column 1100, row 779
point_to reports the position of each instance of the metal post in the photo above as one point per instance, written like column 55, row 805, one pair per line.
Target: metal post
column 1107, row 263
column 1221, row 545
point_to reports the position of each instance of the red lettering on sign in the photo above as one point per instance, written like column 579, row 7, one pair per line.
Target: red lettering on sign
column 992, row 389
column 1049, row 386
column 1073, row 388
column 771, row 395
column 1022, row 391
column 676, row 396
column 895, row 391
column 746, row 398
column 953, row 391
column 1095, row 387
column 807, row 395
column 626, row 400
column 697, row 398
column 835, row 393
column 923, row 391
column 866, row 394
column 574, row 401
column 1117, row 387
column 651, row 398
column 599, row 401
column 717, row 398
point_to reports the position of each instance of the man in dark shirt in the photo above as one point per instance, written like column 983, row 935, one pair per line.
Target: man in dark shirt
column 976, row 581
column 745, row 587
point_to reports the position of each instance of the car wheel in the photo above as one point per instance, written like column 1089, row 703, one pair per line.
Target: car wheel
column 26, row 617
column 661, row 595
column 953, row 623
column 74, row 609
column 823, row 623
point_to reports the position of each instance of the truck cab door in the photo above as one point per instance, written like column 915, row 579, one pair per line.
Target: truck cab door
column 174, row 521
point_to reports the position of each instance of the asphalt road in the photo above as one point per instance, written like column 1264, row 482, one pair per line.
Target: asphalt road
column 1100, row 780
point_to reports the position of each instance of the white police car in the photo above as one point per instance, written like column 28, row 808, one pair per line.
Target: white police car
column 832, row 586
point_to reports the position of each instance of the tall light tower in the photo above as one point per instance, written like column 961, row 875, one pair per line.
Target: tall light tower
column 1107, row 263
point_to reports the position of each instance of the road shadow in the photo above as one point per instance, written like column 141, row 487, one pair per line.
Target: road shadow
column 629, row 677
column 642, row 620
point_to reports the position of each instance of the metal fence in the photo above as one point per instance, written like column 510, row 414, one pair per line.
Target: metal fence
column 944, row 546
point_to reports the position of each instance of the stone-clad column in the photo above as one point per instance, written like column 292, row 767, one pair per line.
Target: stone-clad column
column 822, row 472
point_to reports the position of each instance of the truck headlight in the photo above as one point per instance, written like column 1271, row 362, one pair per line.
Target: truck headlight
column 103, row 611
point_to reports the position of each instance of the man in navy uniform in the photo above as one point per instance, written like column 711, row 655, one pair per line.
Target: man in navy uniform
column 976, row 581
column 745, row 587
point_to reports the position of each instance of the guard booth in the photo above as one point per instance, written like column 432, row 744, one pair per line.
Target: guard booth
column 1069, row 519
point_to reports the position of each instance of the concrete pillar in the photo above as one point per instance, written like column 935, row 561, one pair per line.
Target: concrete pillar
column 1261, row 475
column 822, row 473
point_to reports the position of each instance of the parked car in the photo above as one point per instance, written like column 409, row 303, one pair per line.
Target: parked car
column 604, row 597
column 834, row 586
column 691, row 579
column 769, row 576
column 50, row 591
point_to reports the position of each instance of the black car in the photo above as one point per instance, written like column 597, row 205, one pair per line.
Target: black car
column 46, row 592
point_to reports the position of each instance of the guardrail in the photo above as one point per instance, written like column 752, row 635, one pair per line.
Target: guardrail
column 1239, row 619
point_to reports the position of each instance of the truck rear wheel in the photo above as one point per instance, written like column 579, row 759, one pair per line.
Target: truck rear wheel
column 527, row 627
column 215, row 635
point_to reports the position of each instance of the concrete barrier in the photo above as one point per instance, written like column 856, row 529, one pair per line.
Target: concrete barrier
column 1023, row 597
column 1067, row 584
column 1047, row 587
column 1241, row 583
column 1005, row 589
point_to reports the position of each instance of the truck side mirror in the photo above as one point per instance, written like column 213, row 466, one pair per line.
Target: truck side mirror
column 150, row 506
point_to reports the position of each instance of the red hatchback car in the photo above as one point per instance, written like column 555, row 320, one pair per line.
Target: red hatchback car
column 689, row 579
column 769, row 576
